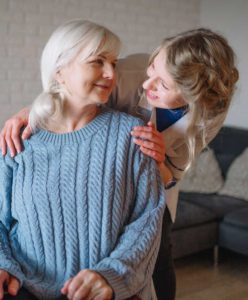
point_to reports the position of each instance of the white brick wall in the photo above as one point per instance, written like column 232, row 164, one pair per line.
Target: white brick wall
column 25, row 26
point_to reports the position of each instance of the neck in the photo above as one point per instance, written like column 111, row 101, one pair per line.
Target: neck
column 74, row 118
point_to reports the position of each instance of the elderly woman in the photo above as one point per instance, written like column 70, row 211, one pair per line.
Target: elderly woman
column 81, row 206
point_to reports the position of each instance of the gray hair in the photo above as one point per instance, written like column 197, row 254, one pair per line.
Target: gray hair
column 66, row 42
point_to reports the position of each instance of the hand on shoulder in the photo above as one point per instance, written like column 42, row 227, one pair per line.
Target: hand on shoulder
column 10, row 136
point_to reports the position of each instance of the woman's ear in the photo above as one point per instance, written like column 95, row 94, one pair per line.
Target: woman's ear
column 59, row 77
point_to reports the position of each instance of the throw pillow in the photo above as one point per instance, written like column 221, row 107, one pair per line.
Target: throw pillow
column 204, row 176
column 236, row 184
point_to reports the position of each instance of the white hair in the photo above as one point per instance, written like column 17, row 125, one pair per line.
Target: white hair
column 62, row 47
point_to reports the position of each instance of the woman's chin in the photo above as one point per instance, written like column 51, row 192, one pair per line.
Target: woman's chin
column 153, row 102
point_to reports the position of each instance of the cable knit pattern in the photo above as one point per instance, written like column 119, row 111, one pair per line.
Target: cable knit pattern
column 85, row 199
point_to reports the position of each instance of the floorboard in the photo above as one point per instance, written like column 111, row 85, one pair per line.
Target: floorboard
column 199, row 279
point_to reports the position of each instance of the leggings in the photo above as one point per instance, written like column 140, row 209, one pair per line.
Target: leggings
column 164, row 277
column 23, row 294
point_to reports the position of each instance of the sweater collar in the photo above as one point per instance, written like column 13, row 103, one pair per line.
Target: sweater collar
column 76, row 136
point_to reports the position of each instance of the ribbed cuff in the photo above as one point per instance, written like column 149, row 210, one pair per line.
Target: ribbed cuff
column 13, row 271
column 12, row 268
column 116, row 282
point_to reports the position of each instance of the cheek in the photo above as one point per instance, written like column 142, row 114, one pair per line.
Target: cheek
column 149, row 71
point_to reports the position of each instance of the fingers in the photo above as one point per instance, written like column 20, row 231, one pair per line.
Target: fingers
column 149, row 145
column 3, row 145
column 151, row 141
column 153, row 154
column 87, row 285
column 10, row 134
column 74, row 286
column 150, row 129
column 26, row 133
column 16, row 139
column 64, row 289
column 4, row 278
column 150, row 124
column 14, row 286
column 83, row 292
column 10, row 143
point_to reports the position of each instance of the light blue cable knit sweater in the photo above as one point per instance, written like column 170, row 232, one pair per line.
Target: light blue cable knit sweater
column 86, row 199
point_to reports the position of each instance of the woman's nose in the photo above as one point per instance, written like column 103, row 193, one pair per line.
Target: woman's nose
column 109, row 71
column 149, row 84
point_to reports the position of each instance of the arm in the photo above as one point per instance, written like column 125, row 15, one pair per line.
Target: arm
column 130, row 265
column 178, row 162
column 10, row 136
column 8, row 265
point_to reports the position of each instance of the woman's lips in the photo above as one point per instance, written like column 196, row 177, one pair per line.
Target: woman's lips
column 102, row 86
column 105, row 85
column 151, row 95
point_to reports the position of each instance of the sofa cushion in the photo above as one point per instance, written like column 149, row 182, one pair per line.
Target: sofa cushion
column 218, row 204
column 233, row 231
column 238, row 218
column 189, row 214
column 236, row 184
column 204, row 176
column 229, row 144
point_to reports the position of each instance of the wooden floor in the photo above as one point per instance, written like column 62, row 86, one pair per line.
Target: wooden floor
column 199, row 279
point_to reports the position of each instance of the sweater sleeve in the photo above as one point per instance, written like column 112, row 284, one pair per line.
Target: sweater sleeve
column 130, row 265
column 7, row 262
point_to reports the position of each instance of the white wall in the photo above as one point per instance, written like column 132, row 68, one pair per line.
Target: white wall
column 25, row 25
column 230, row 17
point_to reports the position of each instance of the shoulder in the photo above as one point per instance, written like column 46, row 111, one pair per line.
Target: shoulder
column 124, row 119
column 6, row 162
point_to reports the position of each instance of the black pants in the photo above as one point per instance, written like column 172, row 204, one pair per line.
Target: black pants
column 164, row 277
column 23, row 294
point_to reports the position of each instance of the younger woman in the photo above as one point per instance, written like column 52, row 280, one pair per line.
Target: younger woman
column 185, row 98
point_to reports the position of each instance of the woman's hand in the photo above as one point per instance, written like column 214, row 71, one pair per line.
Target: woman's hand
column 10, row 134
column 150, row 140
column 87, row 285
column 10, row 281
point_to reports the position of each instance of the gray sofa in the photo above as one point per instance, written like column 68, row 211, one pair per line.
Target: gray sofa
column 211, row 220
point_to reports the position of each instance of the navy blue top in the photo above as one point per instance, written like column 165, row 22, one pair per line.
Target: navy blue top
column 167, row 117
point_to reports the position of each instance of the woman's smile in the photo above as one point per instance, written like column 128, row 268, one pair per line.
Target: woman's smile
column 151, row 95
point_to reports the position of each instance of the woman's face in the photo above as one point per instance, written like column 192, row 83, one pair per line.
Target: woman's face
column 89, row 81
column 160, row 88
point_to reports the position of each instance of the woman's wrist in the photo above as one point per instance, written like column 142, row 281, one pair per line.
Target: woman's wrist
column 167, row 176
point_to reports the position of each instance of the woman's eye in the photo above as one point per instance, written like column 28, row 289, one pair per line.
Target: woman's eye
column 98, row 61
column 114, row 65
column 164, row 85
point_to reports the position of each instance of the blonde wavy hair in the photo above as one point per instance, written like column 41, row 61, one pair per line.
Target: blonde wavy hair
column 66, row 42
column 202, row 64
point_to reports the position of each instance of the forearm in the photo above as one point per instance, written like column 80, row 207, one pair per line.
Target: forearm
column 130, row 265
column 7, row 261
column 165, row 173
